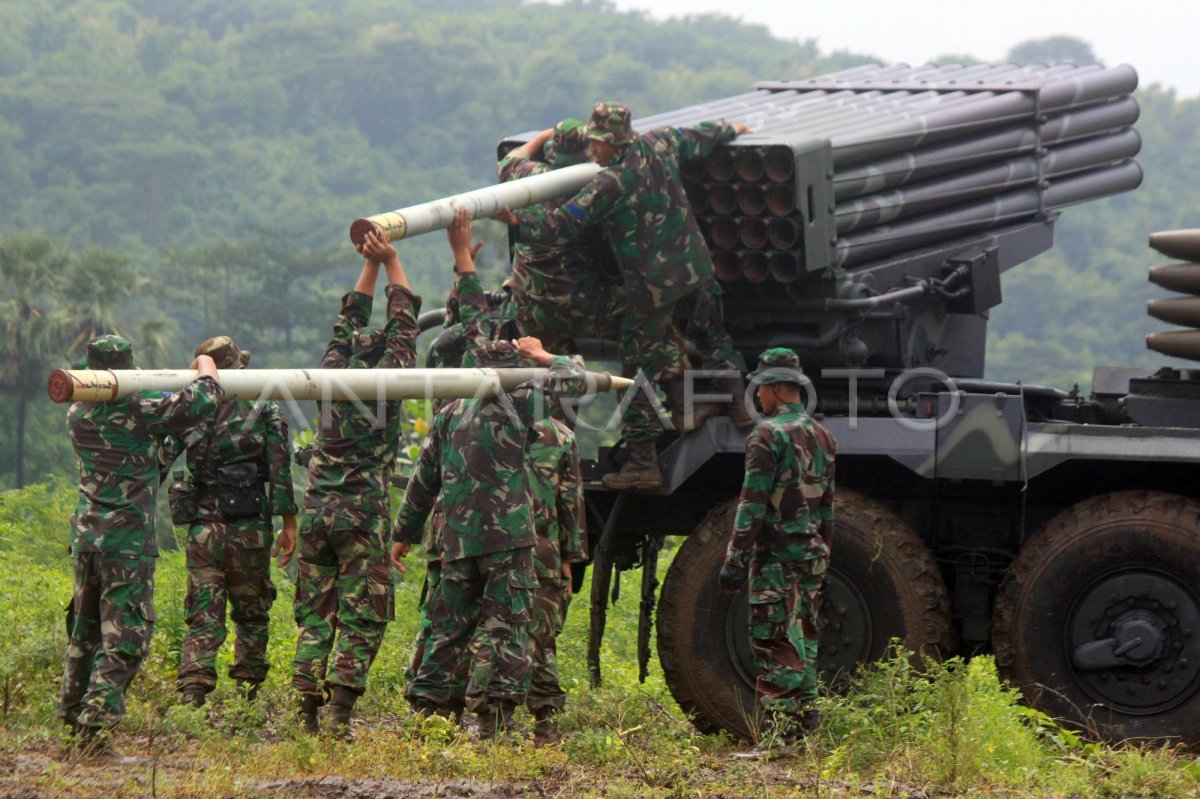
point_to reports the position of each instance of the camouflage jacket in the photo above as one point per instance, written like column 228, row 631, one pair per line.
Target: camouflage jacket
column 117, row 445
column 545, row 270
column 785, row 511
column 639, row 204
column 557, row 490
column 354, row 453
column 241, row 431
column 477, row 458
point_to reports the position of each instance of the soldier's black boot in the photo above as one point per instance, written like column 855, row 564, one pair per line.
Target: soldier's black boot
column 193, row 696
column 495, row 721
column 640, row 471
column 341, row 706
column 93, row 742
column 310, row 704
column 687, row 416
column 545, row 728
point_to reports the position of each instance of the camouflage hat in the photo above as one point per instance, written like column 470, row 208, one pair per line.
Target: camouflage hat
column 778, row 365
column 570, row 136
column 224, row 352
column 610, row 124
column 498, row 355
column 110, row 352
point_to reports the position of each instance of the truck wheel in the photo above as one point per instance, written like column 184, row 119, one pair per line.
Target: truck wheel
column 882, row 583
column 1098, row 620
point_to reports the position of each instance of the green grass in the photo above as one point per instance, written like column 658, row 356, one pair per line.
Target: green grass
column 950, row 729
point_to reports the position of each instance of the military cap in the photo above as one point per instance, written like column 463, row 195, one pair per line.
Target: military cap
column 110, row 352
column 569, row 145
column 498, row 355
column 610, row 123
column 224, row 352
column 778, row 365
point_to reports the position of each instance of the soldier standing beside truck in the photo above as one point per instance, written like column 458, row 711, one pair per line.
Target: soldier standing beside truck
column 113, row 545
column 240, row 470
column 780, row 532
column 640, row 204
column 344, row 596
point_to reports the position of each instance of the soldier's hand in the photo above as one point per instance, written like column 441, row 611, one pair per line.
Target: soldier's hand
column 285, row 545
column 530, row 348
column 507, row 216
column 459, row 231
column 375, row 247
column 568, row 580
column 739, row 128
column 399, row 552
column 731, row 578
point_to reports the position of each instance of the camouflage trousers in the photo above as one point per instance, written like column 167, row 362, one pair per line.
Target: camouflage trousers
column 109, row 623
column 652, row 341
column 344, row 601
column 226, row 564
column 549, row 612
column 477, row 651
column 784, row 601
column 576, row 302
column 446, row 687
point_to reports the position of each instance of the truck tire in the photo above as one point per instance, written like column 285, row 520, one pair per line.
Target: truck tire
column 1098, row 619
column 882, row 584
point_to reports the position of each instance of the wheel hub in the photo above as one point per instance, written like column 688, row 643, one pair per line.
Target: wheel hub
column 1135, row 642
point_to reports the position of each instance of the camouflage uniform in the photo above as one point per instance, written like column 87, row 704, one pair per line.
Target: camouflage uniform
column 557, row 490
column 230, row 558
column 639, row 203
column 113, row 544
column 344, row 585
column 561, row 292
column 442, row 686
column 476, row 460
column 783, row 518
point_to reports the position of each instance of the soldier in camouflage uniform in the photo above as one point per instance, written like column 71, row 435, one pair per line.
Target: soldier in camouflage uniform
column 344, row 594
column 562, row 292
column 639, row 203
column 113, row 543
column 780, row 531
column 476, row 460
column 228, row 543
column 557, row 490
column 467, row 316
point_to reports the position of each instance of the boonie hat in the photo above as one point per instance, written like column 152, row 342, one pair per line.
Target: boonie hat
column 110, row 352
column 224, row 352
column 610, row 123
column 777, row 365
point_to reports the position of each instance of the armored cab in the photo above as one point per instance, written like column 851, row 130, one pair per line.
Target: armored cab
column 866, row 222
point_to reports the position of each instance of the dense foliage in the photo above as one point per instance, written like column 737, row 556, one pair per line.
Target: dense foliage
column 213, row 153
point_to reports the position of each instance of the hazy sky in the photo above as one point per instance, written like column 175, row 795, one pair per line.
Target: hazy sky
column 1161, row 38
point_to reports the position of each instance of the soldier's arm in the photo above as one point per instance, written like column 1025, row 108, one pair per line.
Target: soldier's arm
column 541, row 224
column 572, row 544
column 700, row 140
column 519, row 163
column 756, row 494
column 279, row 462
column 824, row 511
column 175, row 413
column 566, row 378
column 472, row 302
column 421, row 491
column 400, row 331
column 355, row 313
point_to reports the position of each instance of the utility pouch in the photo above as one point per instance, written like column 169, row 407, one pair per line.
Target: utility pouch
column 239, row 491
column 181, row 496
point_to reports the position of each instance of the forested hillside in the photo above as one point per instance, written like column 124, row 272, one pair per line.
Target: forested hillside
column 175, row 169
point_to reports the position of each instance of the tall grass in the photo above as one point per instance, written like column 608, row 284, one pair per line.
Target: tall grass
column 944, row 729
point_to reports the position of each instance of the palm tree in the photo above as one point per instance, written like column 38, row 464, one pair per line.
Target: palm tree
column 31, row 333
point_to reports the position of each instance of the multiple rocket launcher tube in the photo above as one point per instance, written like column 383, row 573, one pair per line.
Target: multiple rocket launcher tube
column 1182, row 277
